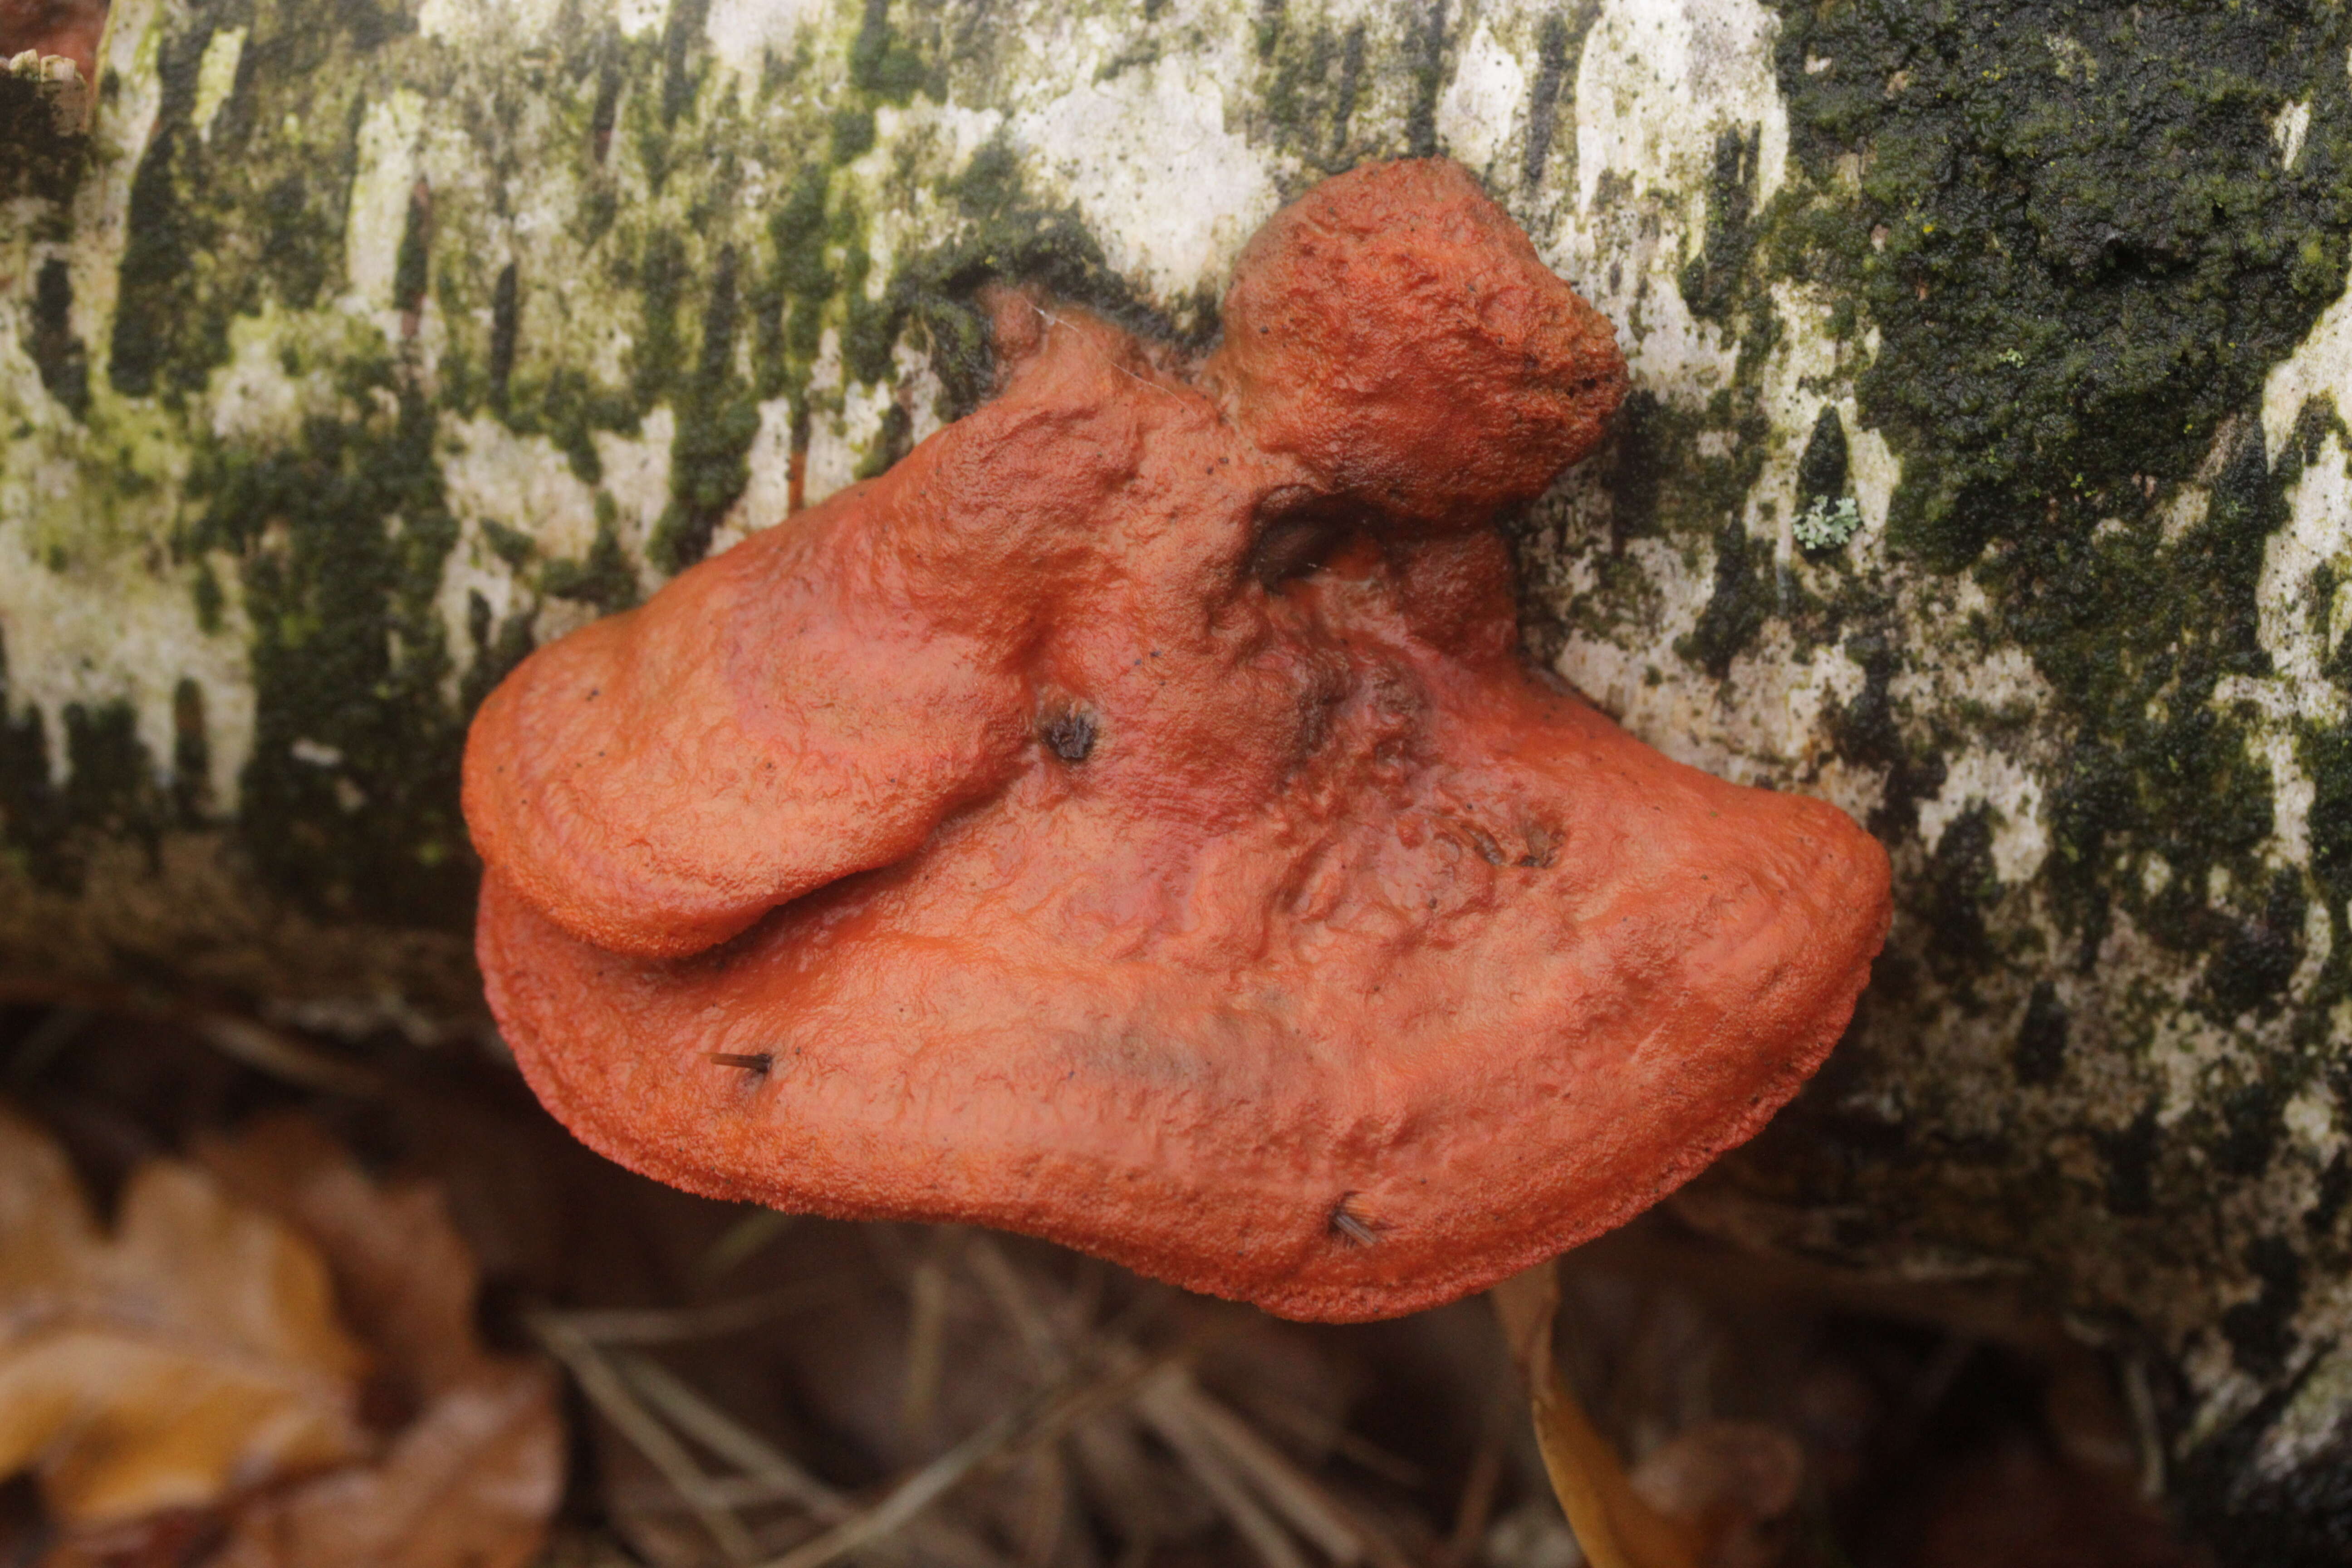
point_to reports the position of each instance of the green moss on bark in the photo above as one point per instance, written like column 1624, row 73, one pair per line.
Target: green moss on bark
column 349, row 803
column 251, row 210
column 2076, row 233
column 45, row 160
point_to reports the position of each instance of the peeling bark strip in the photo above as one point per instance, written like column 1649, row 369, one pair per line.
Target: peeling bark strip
column 294, row 463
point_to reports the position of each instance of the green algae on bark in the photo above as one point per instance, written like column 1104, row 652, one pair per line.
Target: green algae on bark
column 39, row 117
column 2084, row 238
column 2069, row 347
column 348, row 800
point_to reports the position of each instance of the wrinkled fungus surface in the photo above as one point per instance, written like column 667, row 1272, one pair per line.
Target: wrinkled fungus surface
column 1129, row 819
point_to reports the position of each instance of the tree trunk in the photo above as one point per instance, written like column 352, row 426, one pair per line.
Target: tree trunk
column 1984, row 475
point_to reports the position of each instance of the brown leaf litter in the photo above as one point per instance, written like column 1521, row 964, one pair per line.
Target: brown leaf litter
column 269, row 1362
column 757, row 1392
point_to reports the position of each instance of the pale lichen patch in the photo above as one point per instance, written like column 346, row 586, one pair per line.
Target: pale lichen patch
column 474, row 24
column 2010, row 788
column 743, row 33
column 1484, row 105
column 382, row 187
column 767, row 498
column 215, row 76
column 1659, row 79
column 636, row 475
column 1133, row 154
column 1875, row 471
column 2288, row 129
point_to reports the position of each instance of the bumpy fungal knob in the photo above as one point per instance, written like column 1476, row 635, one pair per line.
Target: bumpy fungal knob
column 1129, row 821
column 1394, row 330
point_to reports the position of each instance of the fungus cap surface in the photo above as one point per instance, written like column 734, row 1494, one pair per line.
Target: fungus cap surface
column 1129, row 820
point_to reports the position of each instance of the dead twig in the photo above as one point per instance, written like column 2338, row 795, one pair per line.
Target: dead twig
column 1166, row 1414
column 1477, row 1505
column 1016, row 1304
column 742, row 1242
column 1041, row 1421
column 770, row 1475
column 605, row 1388
column 767, row 1469
column 927, row 1321
column 1286, row 1487
column 281, row 1056
column 1046, row 1508
column 1319, row 1431
column 907, row 1499
column 674, row 1325
column 1234, row 1464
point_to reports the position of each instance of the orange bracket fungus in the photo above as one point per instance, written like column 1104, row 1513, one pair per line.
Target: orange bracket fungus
column 1131, row 820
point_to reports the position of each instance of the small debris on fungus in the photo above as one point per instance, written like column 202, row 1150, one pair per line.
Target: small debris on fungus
column 1346, row 912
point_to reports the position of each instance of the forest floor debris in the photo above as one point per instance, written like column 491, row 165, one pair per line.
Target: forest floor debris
column 440, row 1333
column 268, row 1361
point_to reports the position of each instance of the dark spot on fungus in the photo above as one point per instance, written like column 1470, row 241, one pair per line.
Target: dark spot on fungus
column 1069, row 734
column 1294, row 543
column 750, row 1061
column 1348, row 1228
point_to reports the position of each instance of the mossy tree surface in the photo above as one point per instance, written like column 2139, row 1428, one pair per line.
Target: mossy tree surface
column 1984, row 474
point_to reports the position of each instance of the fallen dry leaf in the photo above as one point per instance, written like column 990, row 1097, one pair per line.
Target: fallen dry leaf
column 471, row 1480
column 1732, row 1480
column 470, row 1484
column 404, row 1277
column 192, row 1354
column 191, row 1379
column 1617, row 1527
